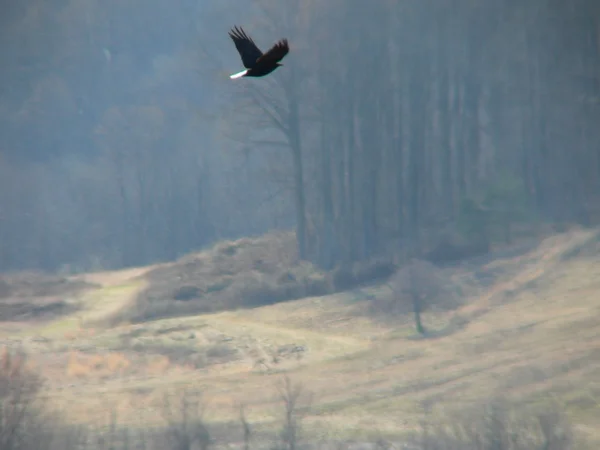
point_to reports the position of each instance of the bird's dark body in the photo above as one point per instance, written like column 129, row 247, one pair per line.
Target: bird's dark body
column 257, row 63
column 261, row 70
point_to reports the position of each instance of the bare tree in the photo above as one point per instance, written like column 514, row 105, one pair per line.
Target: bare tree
column 295, row 401
column 418, row 286
column 245, row 427
column 18, row 388
column 186, row 427
column 496, row 425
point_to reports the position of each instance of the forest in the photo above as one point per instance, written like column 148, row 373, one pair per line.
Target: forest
column 124, row 142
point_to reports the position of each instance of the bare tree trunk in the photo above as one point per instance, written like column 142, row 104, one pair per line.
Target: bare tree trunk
column 295, row 142
column 417, row 298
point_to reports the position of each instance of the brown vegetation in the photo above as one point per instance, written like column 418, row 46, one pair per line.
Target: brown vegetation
column 25, row 426
column 245, row 273
column 450, row 250
column 435, row 288
column 366, row 372
column 497, row 425
column 33, row 295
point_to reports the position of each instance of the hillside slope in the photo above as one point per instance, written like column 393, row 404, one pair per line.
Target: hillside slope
column 530, row 333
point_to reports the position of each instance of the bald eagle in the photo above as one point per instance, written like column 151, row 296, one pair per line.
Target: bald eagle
column 257, row 63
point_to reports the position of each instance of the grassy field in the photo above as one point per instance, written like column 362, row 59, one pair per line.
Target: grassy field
column 530, row 334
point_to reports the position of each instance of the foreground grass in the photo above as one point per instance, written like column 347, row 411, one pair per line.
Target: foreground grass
column 531, row 337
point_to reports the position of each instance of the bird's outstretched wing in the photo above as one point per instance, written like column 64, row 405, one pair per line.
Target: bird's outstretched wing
column 245, row 47
column 275, row 53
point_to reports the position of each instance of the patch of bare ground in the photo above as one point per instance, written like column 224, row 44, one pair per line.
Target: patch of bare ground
column 115, row 277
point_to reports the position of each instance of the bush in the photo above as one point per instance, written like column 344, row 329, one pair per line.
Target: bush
column 492, row 426
column 346, row 277
column 421, row 279
column 505, row 202
column 23, row 424
column 508, row 201
column 497, row 426
column 18, row 387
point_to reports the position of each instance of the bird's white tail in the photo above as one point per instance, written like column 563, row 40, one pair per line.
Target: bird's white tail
column 238, row 75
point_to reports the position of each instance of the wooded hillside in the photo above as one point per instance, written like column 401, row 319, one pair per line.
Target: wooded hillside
column 124, row 142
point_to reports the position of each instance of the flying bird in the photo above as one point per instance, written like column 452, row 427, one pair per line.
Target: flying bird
column 257, row 63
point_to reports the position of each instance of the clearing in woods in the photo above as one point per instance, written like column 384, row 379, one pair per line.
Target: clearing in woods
column 530, row 333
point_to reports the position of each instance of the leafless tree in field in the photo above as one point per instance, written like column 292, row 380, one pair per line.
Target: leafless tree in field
column 186, row 428
column 245, row 427
column 18, row 388
column 499, row 426
column 261, row 363
column 295, row 401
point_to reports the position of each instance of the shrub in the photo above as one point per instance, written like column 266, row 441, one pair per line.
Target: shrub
column 18, row 389
column 497, row 426
column 349, row 276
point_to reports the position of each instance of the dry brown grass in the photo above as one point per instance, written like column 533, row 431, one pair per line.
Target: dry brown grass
column 29, row 296
column 530, row 334
column 97, row 366
column 245, row 273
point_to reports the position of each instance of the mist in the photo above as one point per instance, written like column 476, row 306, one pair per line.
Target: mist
column 124, row 142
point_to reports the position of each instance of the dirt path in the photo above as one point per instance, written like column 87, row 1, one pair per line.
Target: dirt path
column 536, row 264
